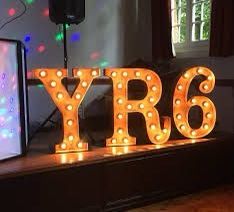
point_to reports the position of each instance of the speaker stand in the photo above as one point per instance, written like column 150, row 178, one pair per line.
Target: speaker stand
column 53, row 113
column 65, row 45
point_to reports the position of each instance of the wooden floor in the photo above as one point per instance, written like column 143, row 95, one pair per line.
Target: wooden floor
column 40, row 159
column 220, row 199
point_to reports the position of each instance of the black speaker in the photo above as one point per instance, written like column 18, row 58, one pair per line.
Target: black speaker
column 67, row 11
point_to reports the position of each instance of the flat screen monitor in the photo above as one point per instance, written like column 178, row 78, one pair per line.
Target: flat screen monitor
column 13, row 99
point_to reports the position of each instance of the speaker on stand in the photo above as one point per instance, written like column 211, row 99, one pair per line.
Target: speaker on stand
column 66, row 12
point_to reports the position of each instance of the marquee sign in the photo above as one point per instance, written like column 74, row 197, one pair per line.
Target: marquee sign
column 122, row 106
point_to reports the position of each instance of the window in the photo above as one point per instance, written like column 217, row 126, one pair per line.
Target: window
column 191, row 25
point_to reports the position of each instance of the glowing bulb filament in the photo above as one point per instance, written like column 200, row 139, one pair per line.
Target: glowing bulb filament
column 59, row 73
column 42, row 74
column 53, row 84
column 59, row 95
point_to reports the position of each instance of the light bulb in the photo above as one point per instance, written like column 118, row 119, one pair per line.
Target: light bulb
column 151, row 99
column 53, row 84
column 113, row 141
column 129, row 106
column 206, row 126
column 59, row 73
column 63, row 146
column 177, row 101
column 148, row 78
column 186, row 75
column 94, row 73
column 70, row 137
column 165, row 131
column 199, row 71
column 141, row 106
column 114, row 74
column 205, row 104
column 84, row 84
column 69, row 107
column 179, row 87
column 59, row 95
column 43, row 73
column 120, row 131
column 154, row 88
column 80, row 145
column 152, row 127
column 193, row 133
column 193, row 100
column 79, row 73
column 208, row 115
column 120, row 86
column 78, row 96
column 182, row 127
column 125, row 74
column 138, row 74
column 179, row 116
column 157, row 137
column 125, row 140
column 120, row 116
column 70, row 122
column 210, row 78
column 150, row 114
column 205, row 87
column 120, row 101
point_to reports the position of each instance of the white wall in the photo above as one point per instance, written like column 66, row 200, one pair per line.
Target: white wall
column 120, row 30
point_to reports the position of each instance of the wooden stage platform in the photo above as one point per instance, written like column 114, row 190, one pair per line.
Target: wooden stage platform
column 114, row 179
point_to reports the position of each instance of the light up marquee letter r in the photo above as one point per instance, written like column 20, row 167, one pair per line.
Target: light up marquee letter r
column 181, row 105
column 123, row 106
column 68, row 106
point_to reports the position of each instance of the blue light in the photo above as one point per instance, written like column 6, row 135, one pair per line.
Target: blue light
column 3, row 100
column 75, row 37
column 3, row 111
column 27, row 38
column 5, row 133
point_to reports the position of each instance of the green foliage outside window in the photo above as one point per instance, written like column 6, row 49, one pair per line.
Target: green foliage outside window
column 200, row 20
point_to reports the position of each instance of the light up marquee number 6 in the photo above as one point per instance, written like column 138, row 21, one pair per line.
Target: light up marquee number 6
column 181, row 105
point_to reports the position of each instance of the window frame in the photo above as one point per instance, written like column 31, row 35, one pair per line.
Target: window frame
column 191, row 48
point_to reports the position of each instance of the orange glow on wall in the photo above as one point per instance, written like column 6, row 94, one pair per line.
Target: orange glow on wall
column 68, row 105
column 122, row 106
column 182, row 105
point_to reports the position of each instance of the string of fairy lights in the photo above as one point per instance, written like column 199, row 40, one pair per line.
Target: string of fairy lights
column 40, row 48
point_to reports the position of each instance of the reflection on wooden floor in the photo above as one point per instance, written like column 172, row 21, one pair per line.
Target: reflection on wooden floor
column 39, row 158
column 220, row 199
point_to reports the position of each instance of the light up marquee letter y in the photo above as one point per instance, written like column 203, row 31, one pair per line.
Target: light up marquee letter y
column 123, row 106
column 68, row 106
column 181, row 105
